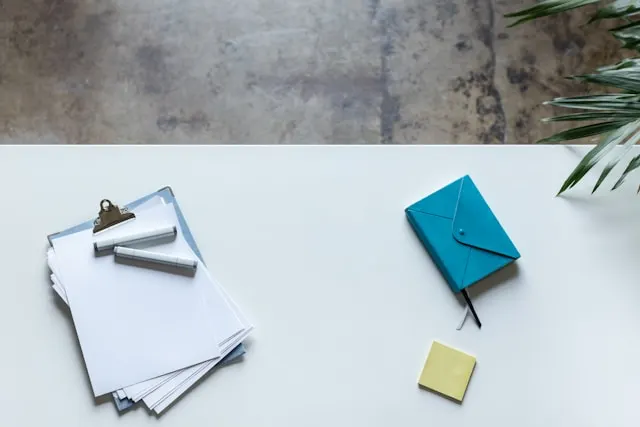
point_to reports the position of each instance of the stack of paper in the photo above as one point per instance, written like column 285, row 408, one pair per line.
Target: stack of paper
column 185, row 325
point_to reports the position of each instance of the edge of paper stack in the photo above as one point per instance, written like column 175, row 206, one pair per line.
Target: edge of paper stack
column 160, row 392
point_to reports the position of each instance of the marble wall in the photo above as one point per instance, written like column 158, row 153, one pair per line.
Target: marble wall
column 286, row 71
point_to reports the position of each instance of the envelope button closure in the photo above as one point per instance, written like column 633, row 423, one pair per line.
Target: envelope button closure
column 461, row 232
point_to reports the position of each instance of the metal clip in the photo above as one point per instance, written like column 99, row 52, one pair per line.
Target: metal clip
column 110, row 215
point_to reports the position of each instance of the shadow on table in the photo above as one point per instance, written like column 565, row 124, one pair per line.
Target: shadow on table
column 606, row 216
column 577, row 152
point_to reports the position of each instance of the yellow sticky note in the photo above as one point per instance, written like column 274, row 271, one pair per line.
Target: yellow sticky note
column 447, row 371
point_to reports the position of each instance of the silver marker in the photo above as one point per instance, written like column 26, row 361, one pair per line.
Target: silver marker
column 156, row 258
column 142, row 237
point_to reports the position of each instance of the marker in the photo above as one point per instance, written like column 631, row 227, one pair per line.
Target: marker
column 156, row 258
column 142, row 237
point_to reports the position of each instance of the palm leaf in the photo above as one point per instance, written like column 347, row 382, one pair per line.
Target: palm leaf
column 625, row 63
column 633, row 164
column 628, row 34
column 608, row 97
column 583, row 132
column 547, row 8
column 631, row 141
column 620, row 103
column 600, row 115
column 617, row 9
column 596, row 154
column 627, row 80
column 617, row 115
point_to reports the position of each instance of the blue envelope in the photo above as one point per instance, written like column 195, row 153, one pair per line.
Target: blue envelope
column 461, row 234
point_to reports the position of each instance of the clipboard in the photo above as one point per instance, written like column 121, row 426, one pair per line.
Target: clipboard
column 167, row 194
column 120, row 216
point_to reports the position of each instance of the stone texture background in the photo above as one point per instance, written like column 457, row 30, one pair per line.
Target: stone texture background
column 286, row 71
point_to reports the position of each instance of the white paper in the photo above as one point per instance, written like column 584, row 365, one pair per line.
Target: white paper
column 168, row 399
column 228, row 334
column 175, row 394
column 174, row 390
column 58, row 287
column 187, row 378
column 160, row 393
column 168, row 394
column 177, row 324
column 137, row 391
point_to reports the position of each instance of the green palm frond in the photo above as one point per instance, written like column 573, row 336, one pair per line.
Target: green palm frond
column 629, row 131
column 634, row 136
column 633, row 164
column 616, row 115
column 610, row 9
column 628, row 34
column 547, row 8
column 617, row 9
column 582, row 132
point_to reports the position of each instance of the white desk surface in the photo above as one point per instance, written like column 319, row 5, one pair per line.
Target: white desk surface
column 313, row 243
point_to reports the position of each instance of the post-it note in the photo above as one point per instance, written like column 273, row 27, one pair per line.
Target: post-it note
column 447, row 371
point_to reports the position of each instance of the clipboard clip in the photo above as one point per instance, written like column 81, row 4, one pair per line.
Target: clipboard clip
column 110, row 215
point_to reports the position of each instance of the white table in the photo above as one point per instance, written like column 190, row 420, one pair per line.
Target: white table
column 313, row 243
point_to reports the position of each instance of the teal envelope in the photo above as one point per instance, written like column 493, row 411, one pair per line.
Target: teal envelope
column 461, row 233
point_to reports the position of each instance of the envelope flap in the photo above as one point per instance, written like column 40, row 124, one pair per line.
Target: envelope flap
column 441, row 203
column 474, row 223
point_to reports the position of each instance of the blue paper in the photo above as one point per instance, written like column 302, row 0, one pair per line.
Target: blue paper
column 461, row 233
column 167, row 194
